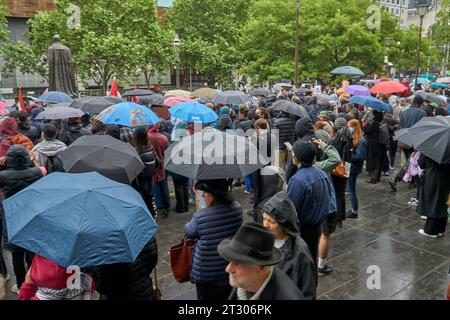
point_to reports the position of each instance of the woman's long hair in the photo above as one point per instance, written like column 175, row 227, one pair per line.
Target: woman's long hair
column 357, row 134
column 141, row 140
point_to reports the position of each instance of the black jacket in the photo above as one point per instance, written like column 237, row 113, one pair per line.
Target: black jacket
column 72, row 132
column 286, row 126
column 31, row 132
column 129, row 281
column 244, row 124
column 279, row 287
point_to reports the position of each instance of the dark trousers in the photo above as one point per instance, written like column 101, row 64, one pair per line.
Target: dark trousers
column 181, row 186
column 352, row 192
column 434, row 226
column 215, row 291
column 393, row 146
column 162, row 196
column 311, row 235
column 339, row 185
column 3, row 270
column 20, row 270
column 144, row 185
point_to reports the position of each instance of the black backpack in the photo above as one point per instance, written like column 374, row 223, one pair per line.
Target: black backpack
column 54, row 164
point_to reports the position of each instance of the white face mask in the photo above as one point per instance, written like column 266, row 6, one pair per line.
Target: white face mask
column 352, row 130
column 201, row 199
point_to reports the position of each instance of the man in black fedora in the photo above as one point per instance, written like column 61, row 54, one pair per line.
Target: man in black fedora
column 252, row 256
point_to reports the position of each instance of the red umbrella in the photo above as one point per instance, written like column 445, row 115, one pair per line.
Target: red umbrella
column 388, row 87
column 3, row 104
column 175, row 100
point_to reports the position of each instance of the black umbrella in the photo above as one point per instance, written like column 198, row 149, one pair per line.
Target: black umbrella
column 92, row 104
column 405, row 138
column 114, row 99
column 431, row 136
column 108, row 156
column 213, row 154
column 231, row 97
column 291, row 108
column 154, row 100
column 261, row 92
column 303, row 90
column 432, row 98
column 138, row 92
column 59, row 112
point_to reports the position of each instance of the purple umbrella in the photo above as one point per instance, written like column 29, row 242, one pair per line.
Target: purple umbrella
column 356, row 90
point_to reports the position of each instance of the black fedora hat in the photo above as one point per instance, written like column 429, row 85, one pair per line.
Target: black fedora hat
column 252, row 244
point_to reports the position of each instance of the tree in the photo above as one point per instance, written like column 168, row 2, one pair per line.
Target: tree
column 3, row 30
column 112, row 38
column 210, row 33
column 332, row 33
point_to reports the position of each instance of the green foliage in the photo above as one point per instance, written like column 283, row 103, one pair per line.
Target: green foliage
column 124, row 34
column 210, row 33
column 3, row 30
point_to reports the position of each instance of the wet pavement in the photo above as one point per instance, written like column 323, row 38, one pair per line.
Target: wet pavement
column 384, row 238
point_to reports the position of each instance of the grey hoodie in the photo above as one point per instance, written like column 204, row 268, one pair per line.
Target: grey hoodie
column 298, row 263
column 47, row 148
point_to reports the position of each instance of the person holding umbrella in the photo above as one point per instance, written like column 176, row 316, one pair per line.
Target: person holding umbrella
column 219, row 220
column 376, row 151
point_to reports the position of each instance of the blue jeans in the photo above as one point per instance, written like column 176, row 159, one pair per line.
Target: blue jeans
column 352, row 192
column 248, row 183
column 162, row 198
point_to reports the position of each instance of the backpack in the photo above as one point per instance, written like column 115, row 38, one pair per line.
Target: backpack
column 54, row 164
column 383, row 135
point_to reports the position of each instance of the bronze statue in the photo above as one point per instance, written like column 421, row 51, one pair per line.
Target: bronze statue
column 60, row 68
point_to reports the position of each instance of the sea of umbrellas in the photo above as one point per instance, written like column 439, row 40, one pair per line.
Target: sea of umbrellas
column 90, row 215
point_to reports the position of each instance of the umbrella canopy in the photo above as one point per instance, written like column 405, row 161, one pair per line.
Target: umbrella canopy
column 204, row 93
column 278, row 86
column 92, row 221
column 178, row 93
column 231, row 97
column 431, row 136
column 323, row 98
column 108, row 156
column 128, row 114
column 138, row 92
column 114, row 99
column 55, row 97
column 303, row 90
column 154, row 100
column 291, row 108
column 439, row 85
column 175, row 100
column 443, row 80
column 58, row 112
column 357, row 90
column 213, row 154
column 422, row 80
column 432, row 98
column 388, row 87
column 193, row 112
column 405, row 138
column 3, row 104
column 260, row 92
column 348, row 70
column 91, row 104
column 371, row 102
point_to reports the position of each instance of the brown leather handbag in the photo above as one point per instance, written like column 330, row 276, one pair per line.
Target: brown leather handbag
column 181, row 259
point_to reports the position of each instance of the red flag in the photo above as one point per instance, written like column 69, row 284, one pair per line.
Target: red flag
column 22, row 105
column 114, row 89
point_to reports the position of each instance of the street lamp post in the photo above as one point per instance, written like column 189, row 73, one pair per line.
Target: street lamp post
column 297, row 42
column 176, row 44
column 102, row 64
column 422, row 10
column 388, row 42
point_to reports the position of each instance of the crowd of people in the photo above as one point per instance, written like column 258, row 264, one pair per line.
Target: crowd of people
column 298, row 201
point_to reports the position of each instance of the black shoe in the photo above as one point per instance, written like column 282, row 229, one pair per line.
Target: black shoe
column 351, row 215
column 165, row 213
column 371, row 181
column 237, row 184
column 327, row 269
column 393, row 185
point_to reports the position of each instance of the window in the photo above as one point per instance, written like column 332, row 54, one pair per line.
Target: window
column 397, row 11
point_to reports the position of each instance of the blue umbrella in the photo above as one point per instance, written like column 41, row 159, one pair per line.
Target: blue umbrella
column 55, row 97
column 348, row 70
column 422, row 80
column 371, row 102
column 79, row 219
column 438, row 85
column 193, row 112
column 128, row 114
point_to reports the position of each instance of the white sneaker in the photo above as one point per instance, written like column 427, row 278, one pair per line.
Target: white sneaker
column 423, row 217
column 422, row 232
column 15, row 289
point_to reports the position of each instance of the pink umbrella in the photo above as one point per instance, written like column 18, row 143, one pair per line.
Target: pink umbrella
column 175, row 100
column 3, row 104
column 443, row 80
